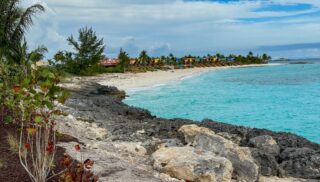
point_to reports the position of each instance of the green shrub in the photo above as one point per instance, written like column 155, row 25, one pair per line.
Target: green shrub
column 88, row 51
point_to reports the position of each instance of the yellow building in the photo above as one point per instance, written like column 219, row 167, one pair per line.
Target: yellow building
column 213, row 59
column 156, row 60
column 189, row 60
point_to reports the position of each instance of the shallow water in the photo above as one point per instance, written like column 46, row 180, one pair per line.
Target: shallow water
column 279, row 98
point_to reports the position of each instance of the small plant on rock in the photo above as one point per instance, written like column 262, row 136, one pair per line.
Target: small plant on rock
column 78, row 171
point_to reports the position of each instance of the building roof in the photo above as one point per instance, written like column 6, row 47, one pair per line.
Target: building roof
column 109, row 62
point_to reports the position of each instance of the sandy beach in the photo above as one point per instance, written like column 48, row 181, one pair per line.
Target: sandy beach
column 131, row 82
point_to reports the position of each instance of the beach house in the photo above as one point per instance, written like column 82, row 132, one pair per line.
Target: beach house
column 110, row 62
column 156, row 61
column 133, row 61
column 213, row 59
column 189, row 60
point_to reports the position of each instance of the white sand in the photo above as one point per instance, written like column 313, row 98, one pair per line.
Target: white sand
column 139, row 81
column 131, row 82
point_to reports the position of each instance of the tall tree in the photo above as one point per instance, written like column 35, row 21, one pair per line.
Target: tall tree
column 173, row 60
column 265, row 57
column 14, row 21
column 144, row 58
column 88, row 49
column 124, row 60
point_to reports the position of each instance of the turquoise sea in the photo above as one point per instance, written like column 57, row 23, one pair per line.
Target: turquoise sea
column 279, row 98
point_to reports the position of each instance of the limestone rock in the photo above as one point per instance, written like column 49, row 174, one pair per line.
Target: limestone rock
column 290, row 153
column 244, row 165
column 131, row 147
column 190, row 131
column 233, row 137
column 265, row 143
column 268, row 163
column 301, row 163
column 80, row 129
column 171, row 143
column 166, row 178
column 276, row 179
column 190, row 164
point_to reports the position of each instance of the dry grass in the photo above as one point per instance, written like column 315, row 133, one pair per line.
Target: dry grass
column 13, row 143
column 2, row 164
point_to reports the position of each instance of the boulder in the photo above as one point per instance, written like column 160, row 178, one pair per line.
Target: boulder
column 265, row 143
column 268, row 164
column 291, row 153
column 171, row 143
column 233, row 137
column 80, row 129
column 190, row 164
column 190, row 131
column 301, row 163
column 245, row 168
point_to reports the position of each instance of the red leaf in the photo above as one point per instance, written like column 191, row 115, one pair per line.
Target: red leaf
column 77, row 147
column 88, row 164
column 50, row 147
column 27, row 145
column 16, row 88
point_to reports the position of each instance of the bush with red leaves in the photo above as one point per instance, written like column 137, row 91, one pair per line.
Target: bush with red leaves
column 78, row 171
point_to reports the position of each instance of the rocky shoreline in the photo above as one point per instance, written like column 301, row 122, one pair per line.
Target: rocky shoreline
column 129, row 144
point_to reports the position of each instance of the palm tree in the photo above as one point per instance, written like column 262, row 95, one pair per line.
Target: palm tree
column 16, row 72
column 144, row 58
column 265, row 57
column 172, row 59
column 14, row 21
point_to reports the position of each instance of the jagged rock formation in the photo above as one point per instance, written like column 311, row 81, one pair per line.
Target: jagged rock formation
column 252, row 152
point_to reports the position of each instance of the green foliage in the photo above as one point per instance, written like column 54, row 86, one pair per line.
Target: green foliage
column 124, row 61
column 88, row 51
column 93, row 70
column 14, row 21
column 27, row 94
column 144, row 58
column 12, row 72
column 36, row 90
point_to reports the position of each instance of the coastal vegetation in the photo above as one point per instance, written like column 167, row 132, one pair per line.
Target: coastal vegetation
column 88, row 51
column 65, row 61
column 146, row 63
column 28, row 94
column 88, row 59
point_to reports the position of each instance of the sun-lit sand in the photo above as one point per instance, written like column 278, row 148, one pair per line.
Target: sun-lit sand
column 139, row 81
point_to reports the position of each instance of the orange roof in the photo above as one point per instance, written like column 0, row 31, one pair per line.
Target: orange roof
column 109, row 62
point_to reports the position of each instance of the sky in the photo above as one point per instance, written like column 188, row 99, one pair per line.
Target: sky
column 281, row 28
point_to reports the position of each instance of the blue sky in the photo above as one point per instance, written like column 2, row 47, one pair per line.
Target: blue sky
column 282, row 28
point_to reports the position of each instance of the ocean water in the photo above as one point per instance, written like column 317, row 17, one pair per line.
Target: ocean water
column 279, row 98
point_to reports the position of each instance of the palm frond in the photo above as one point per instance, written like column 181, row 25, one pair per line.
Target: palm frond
column 26, row 20
column 37, row 54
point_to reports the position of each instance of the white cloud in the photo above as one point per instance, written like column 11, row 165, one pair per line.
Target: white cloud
column 162, row 26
